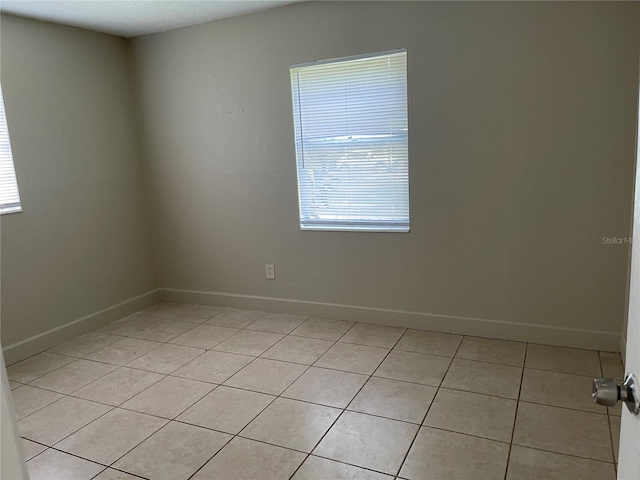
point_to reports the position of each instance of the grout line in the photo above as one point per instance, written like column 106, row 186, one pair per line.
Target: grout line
column 564, row 408
column 608, row 412
column 515, row 415
column 561, row 373
column 350, row 402
column 344, row 463
column 504, row 442
column 613, row 451
column 424, row 418
column 275, row 397
column 95, row 462
column 562, row 454
column 122, row 471
column 75, row 431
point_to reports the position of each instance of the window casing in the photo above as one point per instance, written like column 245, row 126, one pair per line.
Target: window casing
column 351, row 137
column 9, row 195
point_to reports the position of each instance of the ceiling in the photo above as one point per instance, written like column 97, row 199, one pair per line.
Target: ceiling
column 131, row 18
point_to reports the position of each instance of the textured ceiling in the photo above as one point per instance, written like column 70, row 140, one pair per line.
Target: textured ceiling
column 130, row 18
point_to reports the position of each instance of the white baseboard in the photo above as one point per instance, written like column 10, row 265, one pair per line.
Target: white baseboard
column 30, row 346
column 623, row 348
column 479, row 327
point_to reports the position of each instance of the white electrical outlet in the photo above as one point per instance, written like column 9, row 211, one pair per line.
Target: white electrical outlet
column 271, row 271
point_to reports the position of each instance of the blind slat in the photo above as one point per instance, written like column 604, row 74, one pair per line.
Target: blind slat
column 9, row 195
column 351, row 136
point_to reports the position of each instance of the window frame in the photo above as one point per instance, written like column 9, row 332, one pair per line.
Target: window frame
column 392, row 223
column 7, row 164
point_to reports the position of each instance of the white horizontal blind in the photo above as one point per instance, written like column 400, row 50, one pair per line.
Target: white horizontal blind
column 351, row 135
column 9, row 196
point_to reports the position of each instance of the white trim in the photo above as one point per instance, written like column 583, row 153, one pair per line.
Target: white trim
column 623, row 348
column 480, row 327
column 30, row 346
column 12, row 464
column 348, row 58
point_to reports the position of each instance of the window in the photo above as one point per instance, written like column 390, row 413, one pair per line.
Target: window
column 9, row 196
column 351, row 135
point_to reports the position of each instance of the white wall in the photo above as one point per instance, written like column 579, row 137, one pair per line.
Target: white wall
column 82, row 242
column 521, row 120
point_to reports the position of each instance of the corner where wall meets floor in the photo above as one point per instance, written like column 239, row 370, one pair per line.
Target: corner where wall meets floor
column 543, row 334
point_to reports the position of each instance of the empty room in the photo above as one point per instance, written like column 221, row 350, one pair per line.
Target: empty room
column 274, row 240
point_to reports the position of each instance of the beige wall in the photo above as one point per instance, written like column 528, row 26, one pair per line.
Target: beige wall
column 82, row 243
column 522, row 131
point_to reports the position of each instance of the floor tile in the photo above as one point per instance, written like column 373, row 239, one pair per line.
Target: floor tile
column 162, row 309
column 482, row 377
column 615, row 435
column 315, row 468
column 266, row 376
column 205, row 336
column 127, row 326
column 85, row 344
column 323, row 328
column 183, row 312
column 123, row 351
column 369, row 442
column 563, row 431
column 166, row 358
column 432, row 343
column 563, row 360
column 414, row 367
column 234, row 318
column 437, row 454
column 473, row 414
column 27, row 400
column 463, row 436
column 112, row 474
column 226, row 409
column 373, row 335
column 327, row 387
column 73, row 376
column 277, row 323
column 292, row 424
column 404, row 401
column 213, row 367
column 353, row 358
column 111, row 436
column 298, row 350
column 611, row 364
column 37, row 366
column 615, row 411
column 169, row 397
column 494, row 351
column 249, row 460
column 54, row 465
column 31, row 449
column 529, row 464
column 559, row 390
column 248, row 342
column 163, row 330
column 60, row 419
column 175, row 452
column 118, row 386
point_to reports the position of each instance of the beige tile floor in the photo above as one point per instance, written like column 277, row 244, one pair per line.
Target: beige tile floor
column 195, row 392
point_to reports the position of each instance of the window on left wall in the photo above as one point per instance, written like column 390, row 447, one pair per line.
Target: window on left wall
column 9, row 194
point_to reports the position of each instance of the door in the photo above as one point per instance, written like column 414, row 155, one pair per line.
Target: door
column 629, row 461
column 12, row 464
